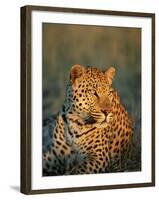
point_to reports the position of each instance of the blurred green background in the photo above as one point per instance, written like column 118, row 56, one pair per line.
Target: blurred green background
column 66, row 45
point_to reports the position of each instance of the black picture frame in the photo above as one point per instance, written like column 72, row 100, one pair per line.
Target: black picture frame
column 26, row 103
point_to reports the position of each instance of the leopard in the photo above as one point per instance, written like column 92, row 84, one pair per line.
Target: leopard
column 92, row 129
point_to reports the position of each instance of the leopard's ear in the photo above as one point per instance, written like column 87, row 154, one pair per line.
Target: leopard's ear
column 110, row 73
column 76, row 71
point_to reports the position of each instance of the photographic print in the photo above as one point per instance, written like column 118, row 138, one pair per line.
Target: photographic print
column 91, row 110
column 87, row 99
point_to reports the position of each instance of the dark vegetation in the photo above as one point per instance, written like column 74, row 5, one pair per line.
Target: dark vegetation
column 66, row 45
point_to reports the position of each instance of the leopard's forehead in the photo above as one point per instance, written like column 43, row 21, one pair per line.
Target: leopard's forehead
column 95, row 75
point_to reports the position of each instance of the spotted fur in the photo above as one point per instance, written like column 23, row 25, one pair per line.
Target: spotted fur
column 91, row 130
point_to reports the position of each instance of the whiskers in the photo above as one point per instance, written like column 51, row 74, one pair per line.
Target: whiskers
column 95, row 117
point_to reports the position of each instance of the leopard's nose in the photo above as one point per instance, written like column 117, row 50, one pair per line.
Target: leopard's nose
column 106, row 111
column 105, row 105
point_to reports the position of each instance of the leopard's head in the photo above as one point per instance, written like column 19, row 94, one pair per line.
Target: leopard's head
column 89, row 93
